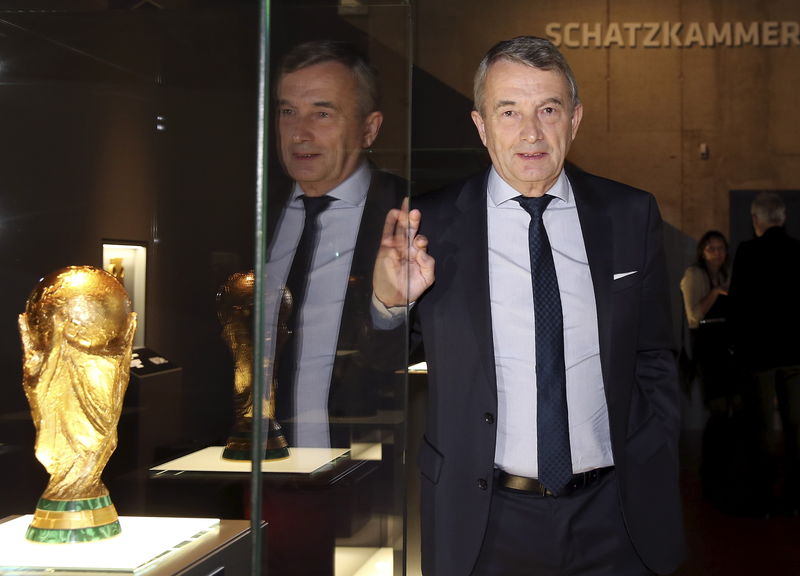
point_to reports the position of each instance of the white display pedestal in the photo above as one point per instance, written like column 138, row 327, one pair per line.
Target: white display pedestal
column 152, row 546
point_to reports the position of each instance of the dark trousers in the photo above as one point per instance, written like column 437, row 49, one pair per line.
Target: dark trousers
column 779, row 387
column 582, row 534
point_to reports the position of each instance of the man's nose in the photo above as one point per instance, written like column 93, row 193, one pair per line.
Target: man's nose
column 301, row 131
column 531, row 129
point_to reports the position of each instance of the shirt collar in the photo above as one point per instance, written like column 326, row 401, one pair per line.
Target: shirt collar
column 353, row 190
column 500, row 191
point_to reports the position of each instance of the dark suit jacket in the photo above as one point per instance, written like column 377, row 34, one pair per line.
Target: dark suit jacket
column 359, row 377
column 622, row 232
column 764, row 309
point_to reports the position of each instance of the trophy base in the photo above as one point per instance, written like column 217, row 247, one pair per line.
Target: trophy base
column 68, row 521
column 275, row 454
column 240, row 443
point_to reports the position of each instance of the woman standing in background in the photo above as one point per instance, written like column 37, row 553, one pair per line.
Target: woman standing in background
column 705, row 292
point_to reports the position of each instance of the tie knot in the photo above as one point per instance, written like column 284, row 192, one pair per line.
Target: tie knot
column 315, row 204
column 534, row 205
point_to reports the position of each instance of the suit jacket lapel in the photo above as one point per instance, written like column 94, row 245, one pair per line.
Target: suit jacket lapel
column 471, row 235
column 385, row 192
column 597, row 229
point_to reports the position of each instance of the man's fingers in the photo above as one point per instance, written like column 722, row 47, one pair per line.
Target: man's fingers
column 389, row 225
column 413, row 219
column 400, row 226
column 424, row 259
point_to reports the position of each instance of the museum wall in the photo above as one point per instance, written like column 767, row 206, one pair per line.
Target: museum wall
column 649, row 104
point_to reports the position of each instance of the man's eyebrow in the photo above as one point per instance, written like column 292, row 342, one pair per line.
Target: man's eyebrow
column 551, row 100
column 554, row 100
column 503, row 103
column 325, row 104
column 319, row 104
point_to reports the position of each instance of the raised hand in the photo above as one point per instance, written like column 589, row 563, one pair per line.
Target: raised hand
column 403, row 267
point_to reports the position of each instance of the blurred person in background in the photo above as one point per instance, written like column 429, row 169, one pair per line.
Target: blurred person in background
column 764, row 316
column 705, row 299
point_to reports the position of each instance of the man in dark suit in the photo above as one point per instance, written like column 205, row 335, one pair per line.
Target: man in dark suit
column 764, row 315
column 327, row 115
column 508, row 402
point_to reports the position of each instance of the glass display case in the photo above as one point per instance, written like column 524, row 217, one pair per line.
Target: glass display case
column 144, row 137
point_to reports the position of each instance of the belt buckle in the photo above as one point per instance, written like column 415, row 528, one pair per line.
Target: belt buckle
column 580, row 480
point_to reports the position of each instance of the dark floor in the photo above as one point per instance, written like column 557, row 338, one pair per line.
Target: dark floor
column 726, row 544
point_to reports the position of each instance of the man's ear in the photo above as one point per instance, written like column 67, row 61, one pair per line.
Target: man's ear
column 372, row 125
column 577, row 114
column 478, row 120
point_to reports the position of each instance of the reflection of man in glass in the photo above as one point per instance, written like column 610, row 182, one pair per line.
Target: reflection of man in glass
column 327, row 115
column 77, row 332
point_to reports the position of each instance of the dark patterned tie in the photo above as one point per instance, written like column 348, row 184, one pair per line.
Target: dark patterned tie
column 297, row 282
column 555, row 460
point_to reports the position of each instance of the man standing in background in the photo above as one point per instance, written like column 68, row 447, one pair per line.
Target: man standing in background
column 764, row 316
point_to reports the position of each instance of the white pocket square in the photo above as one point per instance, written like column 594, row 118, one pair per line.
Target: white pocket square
column 623, row 274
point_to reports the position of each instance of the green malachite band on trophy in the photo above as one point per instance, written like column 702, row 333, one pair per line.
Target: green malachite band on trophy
column 74, row 505
column 70, row 536
column 63, row 521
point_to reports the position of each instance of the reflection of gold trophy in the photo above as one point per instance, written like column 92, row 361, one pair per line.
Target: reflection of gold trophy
column 77, row 332
column 235, row 311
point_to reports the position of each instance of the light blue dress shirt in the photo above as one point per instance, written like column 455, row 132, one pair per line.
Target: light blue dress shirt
column 514, row 338
column 321, row 316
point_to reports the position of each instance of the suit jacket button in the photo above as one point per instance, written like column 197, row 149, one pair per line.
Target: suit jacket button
column 482, row 484
column 488, row 418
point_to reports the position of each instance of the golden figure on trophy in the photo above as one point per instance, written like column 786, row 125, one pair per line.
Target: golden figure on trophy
column 77, row 332
column 235, row 311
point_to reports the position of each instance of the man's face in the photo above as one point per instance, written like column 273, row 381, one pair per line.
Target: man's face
column 527, row 124
column 321, row 131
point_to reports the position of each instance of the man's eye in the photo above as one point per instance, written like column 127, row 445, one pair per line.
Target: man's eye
column 549, row 110
column 286, row 112
column 507, row 113
column 323, row 114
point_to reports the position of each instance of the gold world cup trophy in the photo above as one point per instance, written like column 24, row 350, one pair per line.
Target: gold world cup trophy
column 77, row 332
column 235, row 312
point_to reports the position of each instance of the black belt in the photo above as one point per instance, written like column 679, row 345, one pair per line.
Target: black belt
column 533, row 486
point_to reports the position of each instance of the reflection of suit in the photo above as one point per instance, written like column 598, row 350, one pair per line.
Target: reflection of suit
column 354, row 382
column 312, row 514
column 622, row 232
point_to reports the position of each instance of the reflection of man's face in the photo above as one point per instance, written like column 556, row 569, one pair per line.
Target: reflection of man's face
column 320, row 126
column 527, row 124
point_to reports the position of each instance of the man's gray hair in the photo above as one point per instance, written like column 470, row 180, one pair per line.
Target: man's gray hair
column 321, row 51
column 528, row 50
column 769, row 208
